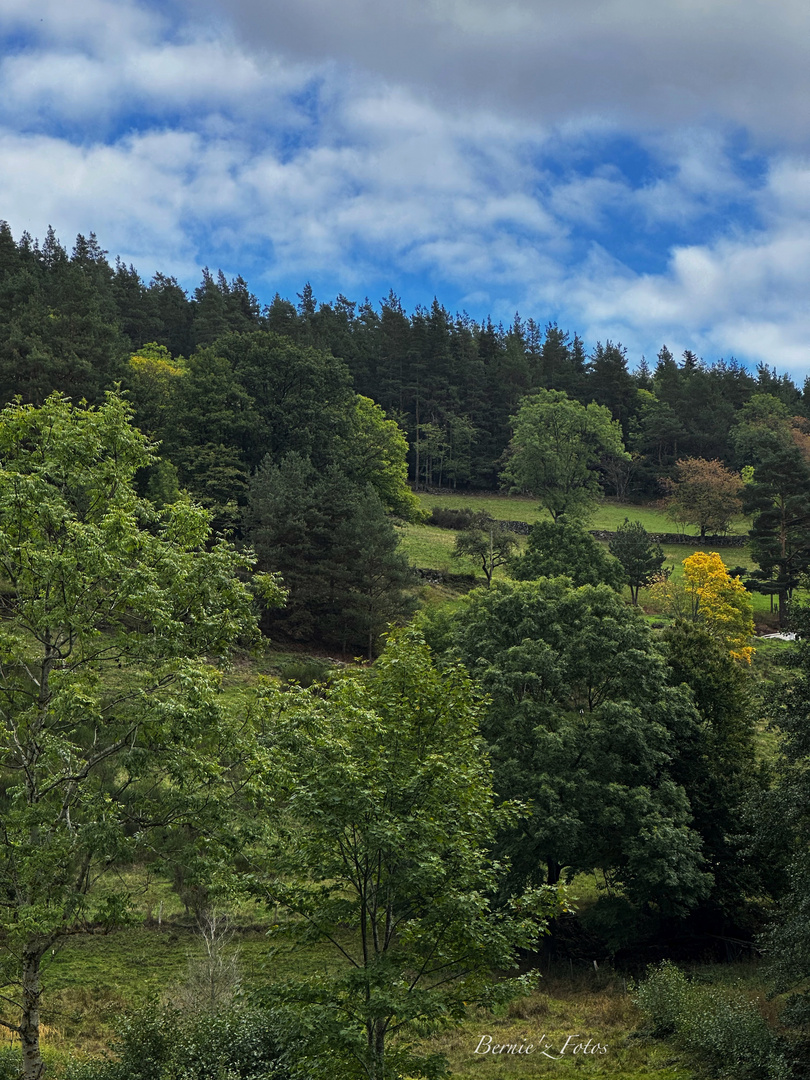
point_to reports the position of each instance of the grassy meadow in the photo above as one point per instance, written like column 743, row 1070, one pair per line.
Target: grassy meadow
column 609, row 514
column 92, row 981
column 429, row 547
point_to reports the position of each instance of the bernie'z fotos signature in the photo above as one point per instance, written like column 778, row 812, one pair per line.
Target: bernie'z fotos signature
column 574, row 1044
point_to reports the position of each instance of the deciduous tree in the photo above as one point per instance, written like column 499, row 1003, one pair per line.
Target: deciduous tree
column 705, row 494
column 582, row 725
column 486, row 542
column 108, row 705
column 565, row 548
column 555, row 451
column 721, row 603
column 382, row 813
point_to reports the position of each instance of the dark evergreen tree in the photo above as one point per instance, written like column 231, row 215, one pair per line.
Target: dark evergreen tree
column 640, row 557
column 610, row 382
column 336, row 550
column 779, row 497
column 717, row 768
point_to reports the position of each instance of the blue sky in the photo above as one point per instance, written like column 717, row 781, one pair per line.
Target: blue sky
column 635, row 171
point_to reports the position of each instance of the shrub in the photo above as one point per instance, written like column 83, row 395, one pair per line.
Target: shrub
column 661, row 998
column 156, row 1043
column 305, row 671
column 444, row 518
column 719, row 1027
column 9, row 1063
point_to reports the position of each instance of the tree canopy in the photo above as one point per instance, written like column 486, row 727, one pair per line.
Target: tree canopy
column 564, row 548
column 380, row 816
column 705, row 494
column 556, row 448
column 582, row 725
column 96, row 583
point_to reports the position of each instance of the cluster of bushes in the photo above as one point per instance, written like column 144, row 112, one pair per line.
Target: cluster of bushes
column 720, row 1028
column 444, row 518
column 160, row 1042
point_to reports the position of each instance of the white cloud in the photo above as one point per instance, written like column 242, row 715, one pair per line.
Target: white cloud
column 187, row 146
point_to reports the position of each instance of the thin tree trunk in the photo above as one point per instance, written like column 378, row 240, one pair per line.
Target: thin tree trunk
column 33, row 1065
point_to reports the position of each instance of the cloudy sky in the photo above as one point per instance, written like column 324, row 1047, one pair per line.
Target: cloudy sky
column 636, row 171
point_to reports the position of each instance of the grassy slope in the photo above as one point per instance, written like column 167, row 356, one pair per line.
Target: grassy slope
column 608, row 515
column 429, row 547
column 93, row 980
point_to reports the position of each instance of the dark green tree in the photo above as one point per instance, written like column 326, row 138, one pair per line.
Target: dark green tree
column 718, row 766
column 336, row 550
column 302, row 398
column 565, row 549
column 779, row 499
column 583, row 726
column 641, row 558
column 784, row 825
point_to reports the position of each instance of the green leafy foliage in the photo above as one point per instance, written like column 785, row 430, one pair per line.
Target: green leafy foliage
column 381, row 816
column 336, row 550
column 717, row 765
column 565, row 549
column 156, row 1043
column 720, row 1028
column 582, row 726
column 109, row 717
column 556, row 449
column 779, row 498
column 640, row 557
column 785, row 831
column 486, row 542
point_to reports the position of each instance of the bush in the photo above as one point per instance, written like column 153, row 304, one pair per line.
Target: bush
column 158, row 1043
column 306, row 671
column 719, row 1027
column 9, row 1063
column 661, row 999
column 444, row 518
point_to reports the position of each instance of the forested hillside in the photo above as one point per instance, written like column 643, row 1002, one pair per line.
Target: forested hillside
column 174, row 468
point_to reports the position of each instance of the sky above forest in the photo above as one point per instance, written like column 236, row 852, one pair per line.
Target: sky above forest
column 637, row 172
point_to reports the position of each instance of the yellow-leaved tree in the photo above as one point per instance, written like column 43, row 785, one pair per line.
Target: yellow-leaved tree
column 721, row 602
column 708, row 594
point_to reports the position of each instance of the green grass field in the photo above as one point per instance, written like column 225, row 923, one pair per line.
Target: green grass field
column 609, row 514
column 93, row 980
column 429, row 547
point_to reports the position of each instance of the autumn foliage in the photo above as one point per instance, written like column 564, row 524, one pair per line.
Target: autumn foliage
column 705, row 494
column 721, row 603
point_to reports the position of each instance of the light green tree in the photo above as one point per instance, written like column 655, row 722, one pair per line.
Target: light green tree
column 109, row 716
column 382, row 816
column 556, row 450
column 376, row 453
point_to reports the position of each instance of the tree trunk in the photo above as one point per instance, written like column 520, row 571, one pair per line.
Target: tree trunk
column 33, row 1065
column 375, row 1035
